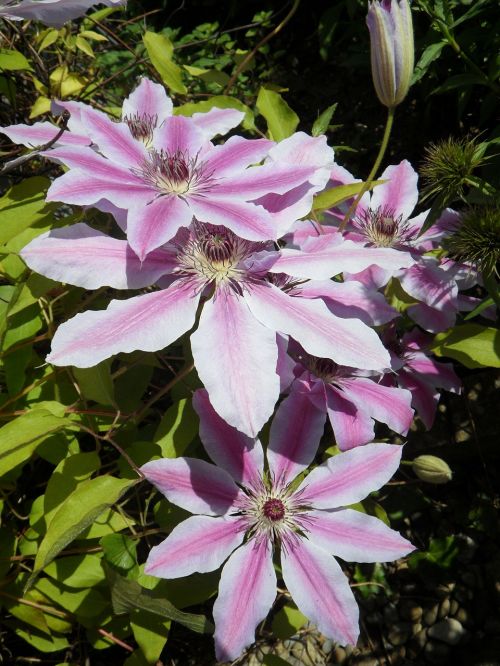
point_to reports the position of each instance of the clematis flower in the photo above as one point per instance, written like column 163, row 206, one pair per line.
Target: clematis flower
column 239, row 507
column 180, row 174
column 51, row 12
column 416, row 370
column 352, row 399
column 145, row 109
column 244, row 306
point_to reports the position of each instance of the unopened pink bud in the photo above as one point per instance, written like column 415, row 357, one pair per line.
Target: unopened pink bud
column 392, row 50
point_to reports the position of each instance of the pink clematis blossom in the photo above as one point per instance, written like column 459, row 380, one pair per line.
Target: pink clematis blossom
column 352, row 399
column 180, row 174
column 242, row 514
column 416, row 370
column 51, row 12
column 145, row 109
column 244, row 306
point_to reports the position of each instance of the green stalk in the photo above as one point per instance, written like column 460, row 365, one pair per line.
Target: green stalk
column 371, row 177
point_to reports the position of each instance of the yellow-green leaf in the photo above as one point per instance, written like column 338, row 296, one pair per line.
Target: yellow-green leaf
column 160, row 50
column 281, row 120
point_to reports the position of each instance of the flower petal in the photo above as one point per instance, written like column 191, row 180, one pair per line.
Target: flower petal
column 383, row 403
column 148, row 322
column 236, row 359
column 350, row 476
column 424, row 396
column 245, row 219
column 114, row 139
column 38, row 134
column 295, row 433
column 346, row 341
column 217, row 121
column 150, row 100
column 87, row 258
column 230, row 449
column 260, row 180
column 236, row 154
column 195, row 485
column 351, row 425
column 321, row 590
column 199, row 543
column 81, row 188
column 400, row 193
column 246, row 593
column 152, row 224
column 355, row 536
column 179, row 134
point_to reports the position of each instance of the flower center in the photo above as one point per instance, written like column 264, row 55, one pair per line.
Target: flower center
column 382, row 228
column 274, row 509
column 174, row 173
column 141, row 127
column 215, row 255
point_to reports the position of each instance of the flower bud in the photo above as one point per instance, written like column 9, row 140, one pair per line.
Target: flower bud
column 432, row 469
column 392, row 52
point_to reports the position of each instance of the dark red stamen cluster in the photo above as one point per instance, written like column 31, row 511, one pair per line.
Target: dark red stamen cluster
column 274, row 509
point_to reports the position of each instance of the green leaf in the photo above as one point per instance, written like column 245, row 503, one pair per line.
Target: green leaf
column 431, row 53
column 281, row 120
column 85, row 504
column 77, row 570
column 274, row 660
column 287, row 622
column 475, row 346
column 83, row 45
column 84, row 604
column 160, row 50
column 150, row 633
column 128, row 596
column 219, row 102
column 177, row 429
column 486, row 303
column 320, row 125
column 96, row 383
column 336, row 195
column 23, row 206
column 20, row 437
column 119, row 551
column 12, row 60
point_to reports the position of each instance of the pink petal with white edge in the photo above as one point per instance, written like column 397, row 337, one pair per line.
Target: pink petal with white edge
column 236, row 358
column 195, row 485
column 86, row 159
column 39, row 134
column 81, row 188
column 351, row 476
column 351, row 299
column 428, row 283
column 199, row 543
column 435, row 372
column 87, row 258
column 179, row 134
column 113, row 139
column 303, row 150
column 246, row 593
column 345, row 341
column 152, row 223
column 148, row 322
column 241, row 456
column 325, row 257
column 383, row 403
column 351, row 425
column 244, row 219
column 355, row 536
column 217, row 121
column 149, row 100
column 258, row 181
column 236, row 154
column 433, row 319
column 400, row 193
column 294, row 438
column 321, row 591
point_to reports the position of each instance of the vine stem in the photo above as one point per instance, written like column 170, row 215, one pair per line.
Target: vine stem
column 263, row 41
column 375, row 167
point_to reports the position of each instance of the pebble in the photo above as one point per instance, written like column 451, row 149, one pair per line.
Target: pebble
column 449, row 631
column 417, row 642
column 444, row 608
column 463, row 616
column 430, row 615
column 374, row 618
column 338, row 655
column 454, row 607
column 468, row 548
column 436, row 653
column 410, row 611
column 391, row 614
column 399, row 633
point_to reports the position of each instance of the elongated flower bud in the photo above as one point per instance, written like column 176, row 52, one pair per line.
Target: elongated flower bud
column 432, row 469
column 392, row 51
